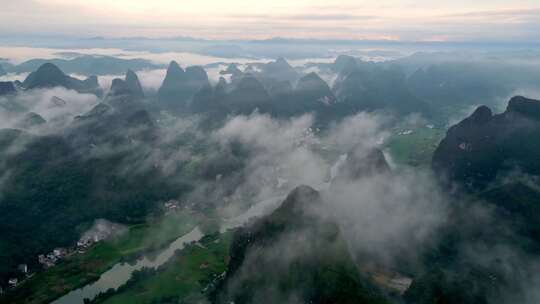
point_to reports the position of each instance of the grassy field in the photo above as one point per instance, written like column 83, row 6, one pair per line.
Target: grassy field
column 80, row 269
column 415, row 149
column 181, row 279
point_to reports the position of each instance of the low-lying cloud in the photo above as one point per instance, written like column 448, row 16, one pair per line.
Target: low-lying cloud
column 57, row 106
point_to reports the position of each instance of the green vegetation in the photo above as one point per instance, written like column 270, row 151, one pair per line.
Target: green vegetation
column 80, row 269
column 52, row 195
column 415, row 149
column 296, row 255
column 184, row 277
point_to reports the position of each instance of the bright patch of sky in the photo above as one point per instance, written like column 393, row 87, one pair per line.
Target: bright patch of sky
column 414, row 20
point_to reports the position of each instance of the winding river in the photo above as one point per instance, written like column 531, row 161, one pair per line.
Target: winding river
column 120, row 273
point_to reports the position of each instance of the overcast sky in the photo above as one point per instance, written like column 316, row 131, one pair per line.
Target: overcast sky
column 410, row 20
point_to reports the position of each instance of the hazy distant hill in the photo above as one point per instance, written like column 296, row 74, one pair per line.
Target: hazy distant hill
column 88, row 65
column 49, row 75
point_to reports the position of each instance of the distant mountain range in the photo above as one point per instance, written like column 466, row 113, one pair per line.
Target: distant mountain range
column 108, row 163
column 87, row 65
column 433, row 88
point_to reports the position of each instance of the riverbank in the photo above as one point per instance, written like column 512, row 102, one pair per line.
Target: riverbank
column 81, row 269
column 187, row 275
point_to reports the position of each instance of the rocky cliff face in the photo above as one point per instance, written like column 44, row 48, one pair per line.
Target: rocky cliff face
column 484, row 145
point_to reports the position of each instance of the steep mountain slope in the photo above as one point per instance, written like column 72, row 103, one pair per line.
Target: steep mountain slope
column 132, row 82
column 48, row 75
column 369, row 88
column 280, row 70
column 56, row 185
column 293, row 256
column 180, row 86
column 484, row 145
column 126, row 93
column 247, row 95
column 311, row 94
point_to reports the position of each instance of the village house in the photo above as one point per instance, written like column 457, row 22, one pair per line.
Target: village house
column 48, row 260
column 172, row 206
column 23, row 268
column 13, row 282
column 60, row 252
column 85, row 243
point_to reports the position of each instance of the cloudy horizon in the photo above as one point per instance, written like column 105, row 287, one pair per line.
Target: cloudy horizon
column 408, row 20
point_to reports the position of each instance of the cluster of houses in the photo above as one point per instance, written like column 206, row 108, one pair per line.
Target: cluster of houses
column 171, row 206
column 13, row 282
column 406, row 132
column 84, row 243
column 50, row 259
column 101, row 230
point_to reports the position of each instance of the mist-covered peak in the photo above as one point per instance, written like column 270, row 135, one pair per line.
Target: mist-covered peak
column 360, row 163
column 481, row 115
column 343, row 62
column 298, row 200
column 174, row 70
column 92, row 81
column 524, row 106
column 483, row 145
column 310, row 81
column 132, row 82
column 119, row 87
column 49, row 75
column 50, row 70
column 280, row 70
column 282, row 62
column 313, row 90
column 197, row 75
column 125, row 90
column 180, row 86
column 232, row 69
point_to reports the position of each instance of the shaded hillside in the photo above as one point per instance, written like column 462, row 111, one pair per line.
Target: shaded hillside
column 368, row 88
column 293, row 256
column 48, row 76
column 179, row 86
column 484, row 145
column 54, row 186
